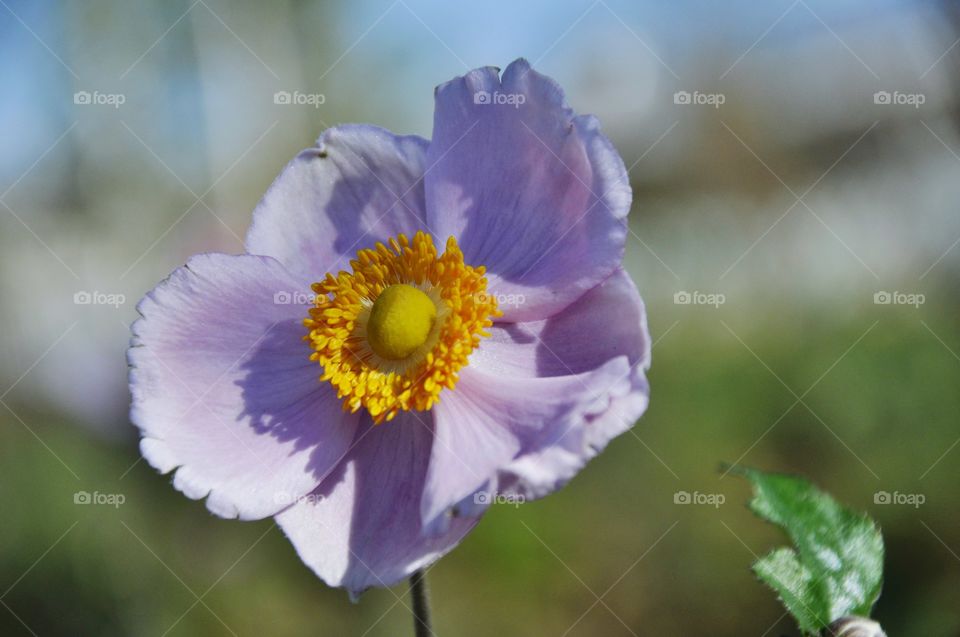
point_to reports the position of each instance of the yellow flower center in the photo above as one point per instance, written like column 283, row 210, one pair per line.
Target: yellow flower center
column 393, row 333
column 400, row 321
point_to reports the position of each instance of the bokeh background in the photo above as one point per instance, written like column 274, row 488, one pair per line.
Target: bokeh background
column 814, row 175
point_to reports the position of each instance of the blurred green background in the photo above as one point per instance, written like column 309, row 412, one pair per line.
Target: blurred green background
column 826, row 183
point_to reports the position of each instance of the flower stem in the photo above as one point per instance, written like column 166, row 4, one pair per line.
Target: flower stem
column 421, row 605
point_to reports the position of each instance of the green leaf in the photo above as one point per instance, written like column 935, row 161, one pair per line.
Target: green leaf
column 782, row 571
column 836, row 566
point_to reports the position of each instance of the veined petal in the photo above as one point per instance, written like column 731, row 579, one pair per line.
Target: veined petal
column 540, row 399
column 492, row 422
column 224, row 391
column 359, row 185
column 535, row 194
column 361, row 527
column 608, row 321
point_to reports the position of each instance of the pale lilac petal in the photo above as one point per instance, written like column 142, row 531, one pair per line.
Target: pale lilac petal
column 539, row 399
column 537, row 195
column 548, row 467
column 492, row 422
column 224, row 391
column 607, row 321
column 359, row 185
column 361, row 527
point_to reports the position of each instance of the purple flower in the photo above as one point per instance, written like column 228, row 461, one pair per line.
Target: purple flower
column 469, row 332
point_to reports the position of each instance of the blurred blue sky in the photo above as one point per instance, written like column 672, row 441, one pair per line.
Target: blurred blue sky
column 560, row 36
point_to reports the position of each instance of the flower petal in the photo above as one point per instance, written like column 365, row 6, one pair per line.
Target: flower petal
column 223, row 387
column 359, row 185
column 607, row 321
column 537, row 195
column 544, row 469
column 491, row 422
column 361, row 527
column 539, row 399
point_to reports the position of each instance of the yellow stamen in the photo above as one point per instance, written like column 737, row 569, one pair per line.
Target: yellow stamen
column 394, row 332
